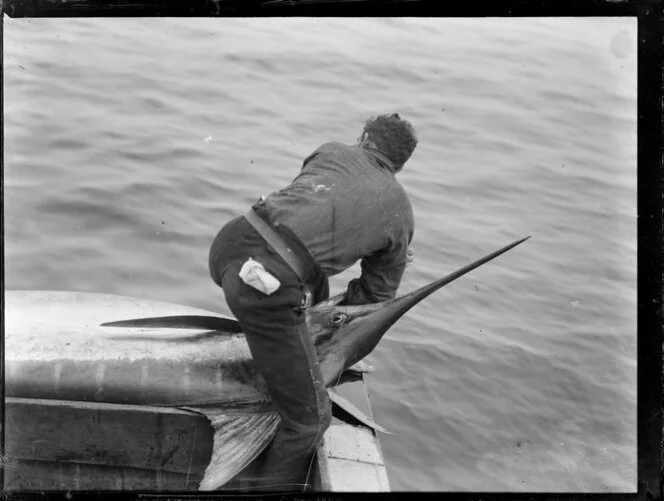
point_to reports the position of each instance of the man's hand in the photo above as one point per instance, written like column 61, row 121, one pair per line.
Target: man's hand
column 410, row 257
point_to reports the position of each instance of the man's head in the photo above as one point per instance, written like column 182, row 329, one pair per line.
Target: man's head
column 392, row 135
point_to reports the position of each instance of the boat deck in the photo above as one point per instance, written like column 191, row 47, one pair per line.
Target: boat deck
column 349, row 456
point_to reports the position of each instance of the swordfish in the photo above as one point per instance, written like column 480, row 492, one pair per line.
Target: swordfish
column 115, row 349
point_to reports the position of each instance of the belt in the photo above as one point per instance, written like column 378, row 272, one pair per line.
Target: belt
column 275, row 241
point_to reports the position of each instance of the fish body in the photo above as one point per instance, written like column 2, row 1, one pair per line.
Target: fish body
column 56, row 348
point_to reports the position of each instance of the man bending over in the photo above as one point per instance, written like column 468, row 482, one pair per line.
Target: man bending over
column 345, row 205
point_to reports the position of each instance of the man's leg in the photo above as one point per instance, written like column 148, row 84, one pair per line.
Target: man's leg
column 285, row 357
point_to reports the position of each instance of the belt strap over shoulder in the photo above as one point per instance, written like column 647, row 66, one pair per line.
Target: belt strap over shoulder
column 275, row 241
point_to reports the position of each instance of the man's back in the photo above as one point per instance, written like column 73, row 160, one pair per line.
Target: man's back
column 346, row 205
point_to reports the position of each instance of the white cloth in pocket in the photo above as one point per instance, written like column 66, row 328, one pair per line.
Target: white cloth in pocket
column 255, row 275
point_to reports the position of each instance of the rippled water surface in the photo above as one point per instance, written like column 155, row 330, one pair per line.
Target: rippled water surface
column 129, row 143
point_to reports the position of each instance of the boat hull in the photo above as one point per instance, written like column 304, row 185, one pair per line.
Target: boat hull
column 69, row 445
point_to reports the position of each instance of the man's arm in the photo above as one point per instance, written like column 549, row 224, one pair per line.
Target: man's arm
column 381, row 275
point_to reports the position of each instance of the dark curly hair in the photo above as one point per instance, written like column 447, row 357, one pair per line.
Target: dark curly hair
column 393, row 136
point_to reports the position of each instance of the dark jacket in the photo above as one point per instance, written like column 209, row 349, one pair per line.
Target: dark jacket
column 346, row 205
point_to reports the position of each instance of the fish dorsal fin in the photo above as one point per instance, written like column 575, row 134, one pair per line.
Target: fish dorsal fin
column 354, row 411
column 181, row 322
column 238, row 440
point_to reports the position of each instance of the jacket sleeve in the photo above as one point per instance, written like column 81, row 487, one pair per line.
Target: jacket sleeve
column 381, row 273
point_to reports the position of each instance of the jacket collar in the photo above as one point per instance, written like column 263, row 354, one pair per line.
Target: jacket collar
column 381, row 158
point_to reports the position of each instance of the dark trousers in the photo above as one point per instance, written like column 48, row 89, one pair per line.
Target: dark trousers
column 281, row 348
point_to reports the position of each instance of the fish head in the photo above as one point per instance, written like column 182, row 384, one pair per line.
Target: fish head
column 344, row 334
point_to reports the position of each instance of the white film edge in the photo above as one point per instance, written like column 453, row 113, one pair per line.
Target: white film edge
column 255, row 275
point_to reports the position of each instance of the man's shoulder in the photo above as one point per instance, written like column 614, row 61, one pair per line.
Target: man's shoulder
column 335, row 147
column 401, row 202
column 334, row 152
column 405, row 200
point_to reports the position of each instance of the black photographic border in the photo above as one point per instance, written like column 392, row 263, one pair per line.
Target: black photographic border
column 649, row 186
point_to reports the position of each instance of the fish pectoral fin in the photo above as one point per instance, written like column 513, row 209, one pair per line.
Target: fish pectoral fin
column 351, row 409
column 361, row 367
column 238, row 440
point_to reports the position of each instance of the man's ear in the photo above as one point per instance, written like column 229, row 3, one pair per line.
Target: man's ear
column 364, row 138
column 368, row 143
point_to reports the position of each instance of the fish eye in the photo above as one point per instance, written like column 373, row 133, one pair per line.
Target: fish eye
column 337, row 318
